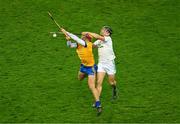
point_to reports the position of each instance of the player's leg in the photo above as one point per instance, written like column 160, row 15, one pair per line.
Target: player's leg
column 82, row 73
column 111, row 71
column 111, row 79
column 112, row 82
column 91, row 84
column 81, row 76
column 100, row 77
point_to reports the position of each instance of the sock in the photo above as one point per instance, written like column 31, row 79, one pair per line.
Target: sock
column 97, row 104
column 114, row 86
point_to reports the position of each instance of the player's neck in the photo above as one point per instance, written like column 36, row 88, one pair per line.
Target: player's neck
column 106, row 35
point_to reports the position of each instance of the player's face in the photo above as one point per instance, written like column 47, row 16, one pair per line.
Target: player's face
column 102, row 32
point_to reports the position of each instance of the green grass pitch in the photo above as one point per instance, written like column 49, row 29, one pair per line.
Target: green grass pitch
column 38, row 73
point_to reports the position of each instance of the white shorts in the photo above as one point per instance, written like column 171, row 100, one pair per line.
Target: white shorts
column 108, row 67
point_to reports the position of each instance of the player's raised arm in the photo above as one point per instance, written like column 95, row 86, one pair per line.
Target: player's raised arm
column 96, row 36
column 69, row 43
column 74, row 37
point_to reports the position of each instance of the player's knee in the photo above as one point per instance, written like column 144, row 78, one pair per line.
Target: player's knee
column 99, row 82
column 78, row 77
column 111, row 80
column 99, row 85
column 91, row 87
column 81, row 77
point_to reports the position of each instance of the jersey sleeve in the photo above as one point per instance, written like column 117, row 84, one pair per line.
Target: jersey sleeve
column 77, row 39
column 96, row 43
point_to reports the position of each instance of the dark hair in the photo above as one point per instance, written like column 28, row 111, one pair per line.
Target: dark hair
column 108, row 29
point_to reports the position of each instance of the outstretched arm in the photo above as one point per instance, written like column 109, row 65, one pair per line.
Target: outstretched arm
column 97, row 36
column 74, row 37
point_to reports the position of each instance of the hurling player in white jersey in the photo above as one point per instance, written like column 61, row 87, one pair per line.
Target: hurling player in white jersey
column 106, row 55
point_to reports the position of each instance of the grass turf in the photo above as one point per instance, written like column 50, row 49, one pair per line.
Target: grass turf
column 38, row 73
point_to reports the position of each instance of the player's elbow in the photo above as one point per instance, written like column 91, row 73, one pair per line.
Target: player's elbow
column 83, row 33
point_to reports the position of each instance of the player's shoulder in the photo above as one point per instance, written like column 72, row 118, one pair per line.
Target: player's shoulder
column 98, row 41
column 107, row 38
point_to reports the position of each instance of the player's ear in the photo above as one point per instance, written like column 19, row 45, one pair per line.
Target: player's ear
column 107, row 32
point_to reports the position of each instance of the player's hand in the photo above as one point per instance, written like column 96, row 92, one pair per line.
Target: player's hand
column 85, row 33
column 65, row 33
column 63, row 30
column 68, row 38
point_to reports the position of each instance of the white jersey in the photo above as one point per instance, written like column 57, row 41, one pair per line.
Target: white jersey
column 105, row 49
